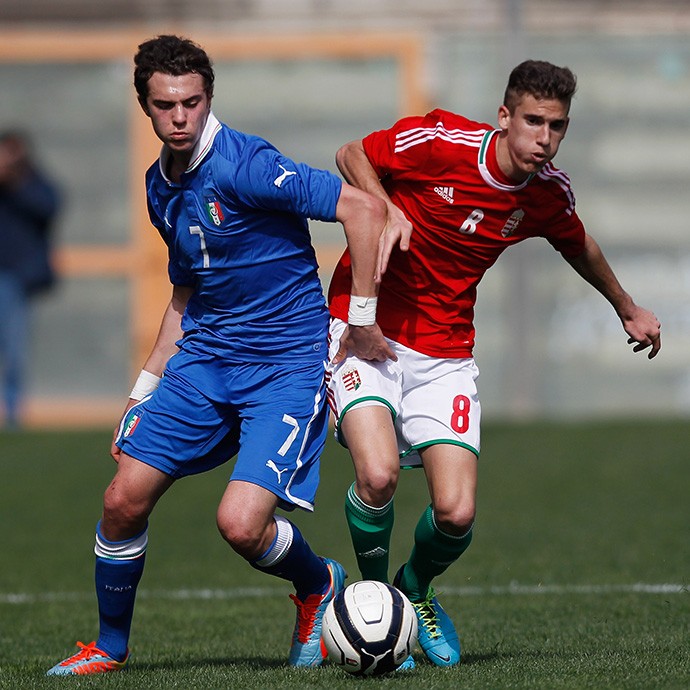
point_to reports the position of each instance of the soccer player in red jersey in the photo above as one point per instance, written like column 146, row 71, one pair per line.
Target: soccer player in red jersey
column 459, row 193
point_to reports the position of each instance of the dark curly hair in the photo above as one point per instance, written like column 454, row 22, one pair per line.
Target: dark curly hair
column 541, row 80
column 171, row 55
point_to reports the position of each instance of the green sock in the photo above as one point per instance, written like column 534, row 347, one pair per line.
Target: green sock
column 370, row 529
column 433, row 552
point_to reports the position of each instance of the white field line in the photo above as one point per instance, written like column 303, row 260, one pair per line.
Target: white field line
column 264, row 592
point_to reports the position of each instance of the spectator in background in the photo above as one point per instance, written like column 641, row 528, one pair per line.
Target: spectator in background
column 28, row 206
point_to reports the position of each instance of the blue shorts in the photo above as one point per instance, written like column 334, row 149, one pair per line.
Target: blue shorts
column 206, row 410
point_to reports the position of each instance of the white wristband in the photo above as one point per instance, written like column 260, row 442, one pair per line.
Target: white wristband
column 362, row 311
column 145, row 384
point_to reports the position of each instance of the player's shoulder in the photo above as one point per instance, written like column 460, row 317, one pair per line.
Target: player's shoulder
column 440, row 128
column 457, row 121
column 241, row 160
column 232, row 143
column 555, row 183
column 554, row 178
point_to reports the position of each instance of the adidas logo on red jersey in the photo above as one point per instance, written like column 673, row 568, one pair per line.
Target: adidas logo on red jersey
column 445, row 193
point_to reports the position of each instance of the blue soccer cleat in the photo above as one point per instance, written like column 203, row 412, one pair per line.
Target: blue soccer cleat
column 307, row 648
column 437, row 636
column 436, row 633
column 89, row 660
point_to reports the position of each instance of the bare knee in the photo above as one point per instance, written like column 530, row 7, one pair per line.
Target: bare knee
column 122, row 517
column 130, row 498
column 455, row 518
column 242, row 534
column 376, row 485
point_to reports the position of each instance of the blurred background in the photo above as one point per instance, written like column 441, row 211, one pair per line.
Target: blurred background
column 310, row 75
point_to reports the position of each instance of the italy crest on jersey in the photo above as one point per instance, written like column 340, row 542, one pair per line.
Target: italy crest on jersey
column 214, row 211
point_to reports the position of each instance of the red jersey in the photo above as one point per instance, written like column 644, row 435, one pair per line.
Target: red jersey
column 441, row 171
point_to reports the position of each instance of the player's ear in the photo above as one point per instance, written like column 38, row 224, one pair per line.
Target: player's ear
column 503, row 117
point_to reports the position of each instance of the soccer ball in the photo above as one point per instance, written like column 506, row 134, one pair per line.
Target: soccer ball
column 369, row 628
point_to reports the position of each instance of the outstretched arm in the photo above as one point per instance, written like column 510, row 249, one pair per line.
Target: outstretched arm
column 640, row 324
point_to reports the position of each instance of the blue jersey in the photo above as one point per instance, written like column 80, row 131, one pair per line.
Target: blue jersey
column 236, row 230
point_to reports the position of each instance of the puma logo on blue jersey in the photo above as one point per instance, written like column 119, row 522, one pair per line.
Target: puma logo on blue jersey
column 281, row 178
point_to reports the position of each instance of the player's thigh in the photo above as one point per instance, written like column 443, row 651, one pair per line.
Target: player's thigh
column 451, row 472
column 369, row 434
column 245, row 517
column 130, row 497
column 283, row 432
column 371, row 440
column 357, row 384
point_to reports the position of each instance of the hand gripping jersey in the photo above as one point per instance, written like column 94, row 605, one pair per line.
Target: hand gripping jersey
column 236, row 232
column 441, row 171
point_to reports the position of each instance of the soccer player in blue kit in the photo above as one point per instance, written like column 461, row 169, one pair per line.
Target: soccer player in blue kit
column 238, row 364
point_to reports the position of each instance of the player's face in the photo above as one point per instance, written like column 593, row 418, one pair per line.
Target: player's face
column 530, row 136
column 178, row 107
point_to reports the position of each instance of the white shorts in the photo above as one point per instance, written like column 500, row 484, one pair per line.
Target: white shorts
column 432, row 400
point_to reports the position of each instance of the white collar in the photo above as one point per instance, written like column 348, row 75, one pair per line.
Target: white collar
column 484, row 168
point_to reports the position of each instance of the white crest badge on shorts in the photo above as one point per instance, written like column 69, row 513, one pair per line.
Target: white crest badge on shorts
column 351, row 380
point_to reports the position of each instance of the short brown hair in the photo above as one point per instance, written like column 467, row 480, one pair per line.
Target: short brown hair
column 539, row 79
column 171, row 55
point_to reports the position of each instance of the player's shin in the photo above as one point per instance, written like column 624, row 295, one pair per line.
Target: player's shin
column 370, row 529
column 119, row 566
column 433, row 552
column 291, row 558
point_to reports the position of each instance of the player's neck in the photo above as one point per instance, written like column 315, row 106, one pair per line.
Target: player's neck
column 501, row 164
column 176, row 166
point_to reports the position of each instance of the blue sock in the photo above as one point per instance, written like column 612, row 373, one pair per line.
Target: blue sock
column 291, row 558
column 117, row 577
column 116, row 588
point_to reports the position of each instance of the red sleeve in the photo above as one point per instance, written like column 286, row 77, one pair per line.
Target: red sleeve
column 568, row 235
column 562, row 226
column 380, row 148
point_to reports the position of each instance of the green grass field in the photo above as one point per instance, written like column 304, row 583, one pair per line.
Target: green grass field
column 577, row 577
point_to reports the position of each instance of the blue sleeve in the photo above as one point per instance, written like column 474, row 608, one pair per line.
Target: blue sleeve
column 268, row 180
